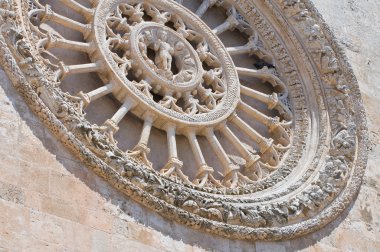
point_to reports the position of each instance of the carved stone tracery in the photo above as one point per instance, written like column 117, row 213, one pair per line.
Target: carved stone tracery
column 144, row 50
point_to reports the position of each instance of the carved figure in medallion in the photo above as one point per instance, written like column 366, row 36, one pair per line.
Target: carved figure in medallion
column 144, row 41
column 164, row 51
column 184, row 62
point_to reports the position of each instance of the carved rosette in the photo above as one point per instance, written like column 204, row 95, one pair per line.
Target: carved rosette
column 280, row 112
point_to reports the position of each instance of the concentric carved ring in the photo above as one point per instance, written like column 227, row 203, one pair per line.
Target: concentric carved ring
column 170, row 51
column 180, row 72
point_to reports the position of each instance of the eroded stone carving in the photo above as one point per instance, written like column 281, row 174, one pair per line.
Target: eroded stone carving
column 306, row 200
column 169, row 50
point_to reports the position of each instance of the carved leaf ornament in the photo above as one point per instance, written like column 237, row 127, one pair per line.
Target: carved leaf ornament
column 247, row 119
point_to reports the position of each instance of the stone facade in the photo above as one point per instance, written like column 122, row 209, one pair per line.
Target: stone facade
column 52, row 201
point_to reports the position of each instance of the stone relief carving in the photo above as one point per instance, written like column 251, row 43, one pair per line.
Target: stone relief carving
column 327, row 163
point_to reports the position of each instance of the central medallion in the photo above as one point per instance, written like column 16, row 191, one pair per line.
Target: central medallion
column 166, row 59
column 167, row 62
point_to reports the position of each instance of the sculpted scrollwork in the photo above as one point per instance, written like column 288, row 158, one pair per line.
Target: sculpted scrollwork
column 306, row 153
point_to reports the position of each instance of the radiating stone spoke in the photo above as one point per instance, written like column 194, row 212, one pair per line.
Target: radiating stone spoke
column 253, row 47
column 172, row 144
column 257, row 115
column 204, row 173
column 141, row 150
column 251, row 159
column 230, row 24
column 205, row 5
column 266, row 145
column 234, row 21
column 236, row 50
column 272, row 101
column 273, row 124
column 229, row 169
column 174, row 165
column 74, row 5
column 54, row 42
column 266, row 75
column 111, row 125
column 66, row 70
column 199, row 159
column 49, row 15
column 123, row 110
column 96, row 94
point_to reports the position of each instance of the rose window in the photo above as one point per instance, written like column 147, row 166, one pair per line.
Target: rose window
column 240, row 118
column 170, row 69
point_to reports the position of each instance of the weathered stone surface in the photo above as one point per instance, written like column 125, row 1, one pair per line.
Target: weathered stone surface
column 89, row 215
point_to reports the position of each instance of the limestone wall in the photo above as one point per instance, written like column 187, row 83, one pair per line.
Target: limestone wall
column 50, row 202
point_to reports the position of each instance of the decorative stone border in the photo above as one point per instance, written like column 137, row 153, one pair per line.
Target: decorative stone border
column 314, row 205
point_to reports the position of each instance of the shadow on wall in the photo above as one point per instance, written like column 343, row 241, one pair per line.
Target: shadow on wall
column 130, row 211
